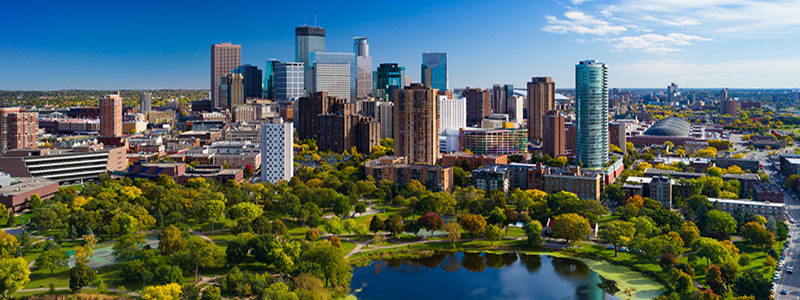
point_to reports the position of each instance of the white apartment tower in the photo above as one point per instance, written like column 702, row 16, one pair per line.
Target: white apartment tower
column 277, row 153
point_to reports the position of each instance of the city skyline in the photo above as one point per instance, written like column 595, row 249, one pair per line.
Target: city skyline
column 694, row 44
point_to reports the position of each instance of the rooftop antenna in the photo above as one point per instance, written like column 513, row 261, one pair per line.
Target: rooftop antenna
column 305, row 20
column 315, row 20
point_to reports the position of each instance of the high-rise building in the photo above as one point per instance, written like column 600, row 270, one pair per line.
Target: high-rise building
column 231, row 90
column 452, row 113
column 591, row 113
column 729, row 107
column 416, row 124
column 224, row 58
column 382, row 111
column 434, row 70
column 111, row 115
column 18, row 129
column 344, row 129
column 500, row 98
column 478, row 104
column 335, row 73
column 387, row 78
column 541, row 99
column 277, row 150
column 251, row 79
column 617, row 134
column 364, row 64
column 144, row 102
column 309, row 107
column 723, row 95
column 554, row 138
column 516, row 106
column 289, row 81
column 307, row 41
column 672, row 93
column 269, row 84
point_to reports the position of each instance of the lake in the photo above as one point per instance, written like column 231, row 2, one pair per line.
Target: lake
column 481, row 276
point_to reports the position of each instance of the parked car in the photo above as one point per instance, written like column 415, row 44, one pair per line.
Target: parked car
column 784, row 292
column 789, row 270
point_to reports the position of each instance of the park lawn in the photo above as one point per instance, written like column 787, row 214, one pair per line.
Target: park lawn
column 515, row 232
column 347, row 247
column 18, row 220
column 364, row 220
column 624, row 258
column 76, row 187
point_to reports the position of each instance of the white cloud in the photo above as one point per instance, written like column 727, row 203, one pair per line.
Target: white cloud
column 673, row 22
column 579, row 2
column 579, row 22
column 654, row 43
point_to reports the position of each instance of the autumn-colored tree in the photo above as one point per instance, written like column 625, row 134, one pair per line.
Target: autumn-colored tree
column 474, row 224
column 571, row 227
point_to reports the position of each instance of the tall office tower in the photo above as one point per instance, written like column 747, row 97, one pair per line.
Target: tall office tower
column 289, row 81
column 335, row 73
column 541, row 99
column 796, row 95
column 144, row 102
column 452, row 113
column 307, row 41
column 224, row 58
column 17, row 129
column 591, row 113
column 251, row 78
column 111, row 115
column 416, row 124
column 277, row 150
column 387, row 78
column 364, row 64
column 672, row 93
column 500, row 98
column 309, row 107
column 231, row 90
column 478, row 104
column 723, row 95
column 269, row 79
column 554, row 139
column 434, row 70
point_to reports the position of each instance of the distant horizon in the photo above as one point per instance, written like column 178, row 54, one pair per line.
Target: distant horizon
column 457, row 88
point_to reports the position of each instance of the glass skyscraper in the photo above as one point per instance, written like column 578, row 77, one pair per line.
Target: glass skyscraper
column 364, row 63
column 269, row 78
column 308, row 40
column 434, row 70
column 388, row 77
column 252, row 80
column 289, row 81
column 591, row 112
column 328, row 66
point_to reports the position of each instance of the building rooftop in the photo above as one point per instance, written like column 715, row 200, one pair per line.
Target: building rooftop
column 22, row 185
column 747, row 202
column 673, row 126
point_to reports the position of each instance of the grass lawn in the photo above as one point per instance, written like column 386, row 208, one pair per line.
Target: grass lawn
column 515, row 232
column 77, row 187
column 347, row 247
column 18, row 220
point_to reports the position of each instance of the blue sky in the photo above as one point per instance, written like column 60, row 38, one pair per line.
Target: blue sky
column 646, row 43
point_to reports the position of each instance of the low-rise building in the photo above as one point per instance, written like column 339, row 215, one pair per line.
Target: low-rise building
column 790, row 164
column 748, row 165
column 764, row 209
column 492, row 177
column 526, row 176
column 661, row 191
column 494, row 141
column 474, row 160
column 396, row 169
column 15, row 192
column 767, row 193
column 73, row 165
column 586, row 187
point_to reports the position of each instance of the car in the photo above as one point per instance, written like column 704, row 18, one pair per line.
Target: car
column 784, row 292
column 623, row 249
column 789, row 270
column 611, row 247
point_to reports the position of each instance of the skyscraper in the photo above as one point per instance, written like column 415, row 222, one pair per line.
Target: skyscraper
column 17, row 129
column 434, row 70
column 541, row 99
column 309, row 107
column 478, row 104
column 144, row 102
column 231, row 90
column 416, row 124
column 277, row 150
column 251, row 79
column 335, row 73
column 554, row 138
column 307, row 41
column 501, row 95
column 289, row 81
column 224, row 58
column 388, row 77
column 452, row 113
column 591, row 113
column 364, row 64
column 672, row 93
column 269, row 79
column 111, row 115
column 796, row 95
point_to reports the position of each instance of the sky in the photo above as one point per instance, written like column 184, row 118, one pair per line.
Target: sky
column 144, row 44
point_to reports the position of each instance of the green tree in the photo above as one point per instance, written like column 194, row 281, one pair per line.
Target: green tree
column 211, row 293
column 80, row 276
column 334, row 226
column 712, row 250
column 755, row 234
column 126, row 246
column 171, row 240
column 52, row 258
column 453, row 230
column 212, row 212
column 165, row 274
column 335, row 269
column 375, row 225
column 689, row 232
column 753, row 283
column 570, row 227
column 474, row 224
column 617, row 233
column 14, row 274
column 245, row 212
column 280, row 291
column 393, row 224
column 341, row 206
column 493, row 233
column 8, row 245
column 533, row 231
column 721, row 221
column 204, row 254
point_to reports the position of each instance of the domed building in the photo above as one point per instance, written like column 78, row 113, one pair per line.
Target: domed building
column 672, row 126
column 673, row 129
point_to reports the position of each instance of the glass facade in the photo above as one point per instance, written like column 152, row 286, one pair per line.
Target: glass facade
column 591, row 111
column 434, row 70
column 289, row 81
column 324, row 67
column 252, row 80
column 484, row 141
column 269, row 79
column 364, row 63
column 307, row 41
column 387, row 78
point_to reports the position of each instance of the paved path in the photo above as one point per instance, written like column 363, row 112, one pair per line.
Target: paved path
column 129, row 293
